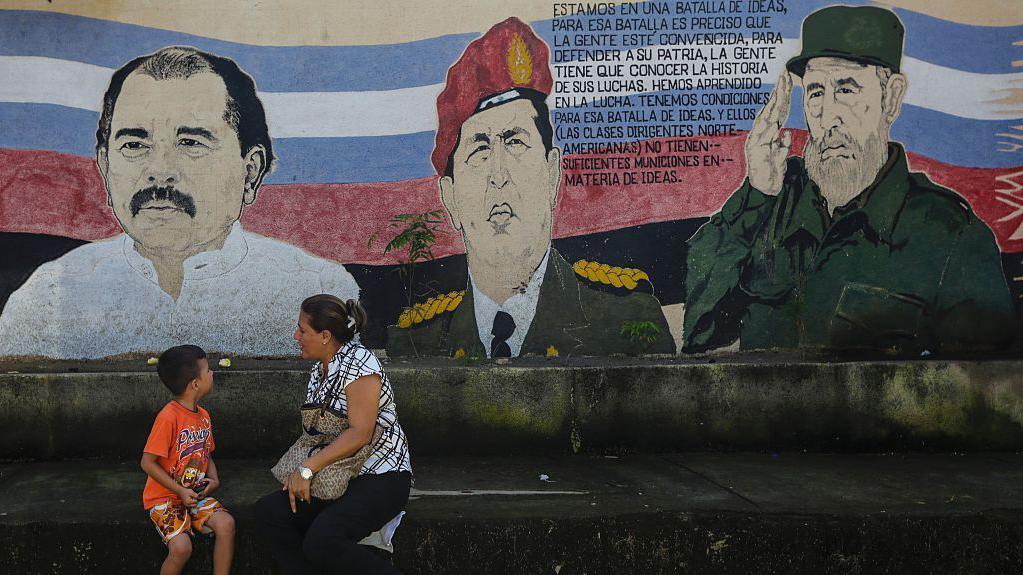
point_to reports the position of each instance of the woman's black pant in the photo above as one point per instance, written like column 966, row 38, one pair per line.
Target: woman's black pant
column 323, row 536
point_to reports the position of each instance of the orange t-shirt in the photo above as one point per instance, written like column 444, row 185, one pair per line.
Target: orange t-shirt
column 182, row 442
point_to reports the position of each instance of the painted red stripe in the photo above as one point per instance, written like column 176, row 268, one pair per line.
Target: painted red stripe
column 59, row 194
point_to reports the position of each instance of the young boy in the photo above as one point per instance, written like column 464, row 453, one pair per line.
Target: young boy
column 181, row 472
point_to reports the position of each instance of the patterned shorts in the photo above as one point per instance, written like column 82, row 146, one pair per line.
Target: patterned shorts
column 172, row 517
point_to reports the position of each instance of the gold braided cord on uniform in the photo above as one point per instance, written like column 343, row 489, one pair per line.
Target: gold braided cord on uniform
column 628, row 278
column 434, row 306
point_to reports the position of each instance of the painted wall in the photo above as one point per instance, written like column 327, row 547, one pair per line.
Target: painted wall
column 696, row 193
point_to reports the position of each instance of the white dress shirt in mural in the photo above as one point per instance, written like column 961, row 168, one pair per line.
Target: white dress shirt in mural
column 103, row 299
column 521, row 307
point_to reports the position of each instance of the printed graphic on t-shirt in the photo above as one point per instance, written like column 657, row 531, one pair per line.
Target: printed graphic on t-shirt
column 183, row 441
column 192, row 455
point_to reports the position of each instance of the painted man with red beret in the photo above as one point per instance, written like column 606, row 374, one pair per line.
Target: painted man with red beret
column 500, row 174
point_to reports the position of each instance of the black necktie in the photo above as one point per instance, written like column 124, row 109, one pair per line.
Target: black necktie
column 504, row 326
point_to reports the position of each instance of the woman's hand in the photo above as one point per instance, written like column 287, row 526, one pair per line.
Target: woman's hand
column 297, row 488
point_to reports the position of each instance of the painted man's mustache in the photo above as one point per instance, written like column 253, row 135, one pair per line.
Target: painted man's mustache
column 181, row 200
column 834, row 139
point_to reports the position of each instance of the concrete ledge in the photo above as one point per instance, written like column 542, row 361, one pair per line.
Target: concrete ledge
column 692, row 513
column 666, row 406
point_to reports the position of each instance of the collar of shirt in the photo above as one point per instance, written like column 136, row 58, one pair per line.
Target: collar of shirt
column 882, row 201
column 203, row 265
column 877, row 206
column 521, row 307
column 335, row 362
column 333, row 368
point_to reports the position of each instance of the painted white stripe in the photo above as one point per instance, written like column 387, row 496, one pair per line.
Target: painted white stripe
column 51, row 81
column 946, row 90
column 411, row 110
column 346, row 114
column 289, row 114
column 963, row 94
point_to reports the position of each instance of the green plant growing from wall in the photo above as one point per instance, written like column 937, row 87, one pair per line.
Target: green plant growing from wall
column 416, row 236
column 640, row 334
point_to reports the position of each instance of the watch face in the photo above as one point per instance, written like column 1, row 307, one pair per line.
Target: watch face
column 306, row 473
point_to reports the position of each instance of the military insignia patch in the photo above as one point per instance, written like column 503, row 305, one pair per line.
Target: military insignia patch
column 520, row 63
column 605, row 274
column 430, row 308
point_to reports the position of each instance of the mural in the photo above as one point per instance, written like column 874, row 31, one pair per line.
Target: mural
column 499, row 179
column 579, row 179
column 182, row 147
column 844, row 247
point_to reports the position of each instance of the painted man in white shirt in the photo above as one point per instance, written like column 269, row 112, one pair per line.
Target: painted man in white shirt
column 182, row 147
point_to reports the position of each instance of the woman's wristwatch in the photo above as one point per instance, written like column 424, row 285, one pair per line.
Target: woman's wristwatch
column 305, row 473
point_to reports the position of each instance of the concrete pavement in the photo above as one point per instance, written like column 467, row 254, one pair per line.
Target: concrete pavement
column 679, row 513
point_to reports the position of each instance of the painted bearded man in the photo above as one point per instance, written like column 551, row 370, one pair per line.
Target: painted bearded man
column 844, row 248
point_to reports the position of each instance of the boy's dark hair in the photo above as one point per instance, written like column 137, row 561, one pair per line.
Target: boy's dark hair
column 178, row 366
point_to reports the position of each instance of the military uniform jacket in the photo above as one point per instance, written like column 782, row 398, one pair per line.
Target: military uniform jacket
column 906, row 266
column 571, row 316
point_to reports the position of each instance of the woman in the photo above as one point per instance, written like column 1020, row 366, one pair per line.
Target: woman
column 311, row 535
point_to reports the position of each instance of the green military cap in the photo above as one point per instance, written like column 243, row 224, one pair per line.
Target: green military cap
column 865, row 34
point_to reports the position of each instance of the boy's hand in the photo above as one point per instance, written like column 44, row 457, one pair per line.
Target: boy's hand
column 211, row 486
column 188, row 497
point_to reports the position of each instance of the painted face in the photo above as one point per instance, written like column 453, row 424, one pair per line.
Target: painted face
column 174, row 172
column 504, row 187
column 309, row 340
column 847, row 122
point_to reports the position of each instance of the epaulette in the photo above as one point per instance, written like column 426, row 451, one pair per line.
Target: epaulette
column 627, row 278
column 434, row 306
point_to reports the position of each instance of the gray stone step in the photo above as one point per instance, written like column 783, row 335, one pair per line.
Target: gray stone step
column 532, row 406
column 679, row 513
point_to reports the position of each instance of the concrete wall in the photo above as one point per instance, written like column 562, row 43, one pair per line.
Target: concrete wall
column 341, row 145
column 496, row 410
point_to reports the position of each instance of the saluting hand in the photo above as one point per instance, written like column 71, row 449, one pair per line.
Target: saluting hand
column 767, row 146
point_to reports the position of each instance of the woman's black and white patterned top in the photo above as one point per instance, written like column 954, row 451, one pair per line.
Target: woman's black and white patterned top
column 351, row 362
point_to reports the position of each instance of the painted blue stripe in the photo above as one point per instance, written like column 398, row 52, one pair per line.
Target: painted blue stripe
column 393, row 158
column 950, row 139
column 343, row 160
column 301, row 160
column 275, row 68
column 981, row 49
column 48, row 127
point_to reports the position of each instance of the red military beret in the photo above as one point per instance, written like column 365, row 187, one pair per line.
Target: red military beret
column 509, row 56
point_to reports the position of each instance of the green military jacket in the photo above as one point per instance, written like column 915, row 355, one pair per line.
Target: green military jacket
column 905, row 267
column 570, row 315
